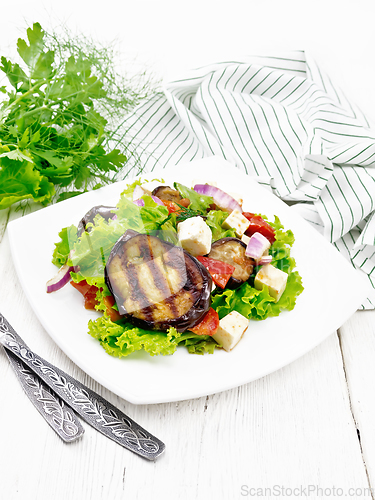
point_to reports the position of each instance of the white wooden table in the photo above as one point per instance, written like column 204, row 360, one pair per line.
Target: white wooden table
column 307, row 430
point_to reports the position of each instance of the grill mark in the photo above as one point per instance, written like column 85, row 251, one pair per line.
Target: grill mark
column 173, row 302
column 160, row 262
column 161, row 280
column 130, row 271
column 146, row 310
column 175, row 260
column 168, row 261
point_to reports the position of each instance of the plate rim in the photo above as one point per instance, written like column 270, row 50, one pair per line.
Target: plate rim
column 132, row 397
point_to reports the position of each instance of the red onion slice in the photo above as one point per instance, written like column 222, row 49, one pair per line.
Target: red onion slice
column 141, row 203
column 256, row 247
column 62, row 278
column 139, row 192
column 223, row 200
column 157, row 200
column 266, row 259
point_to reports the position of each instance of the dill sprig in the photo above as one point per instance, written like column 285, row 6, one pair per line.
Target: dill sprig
column 185, row 213
column 179, row 216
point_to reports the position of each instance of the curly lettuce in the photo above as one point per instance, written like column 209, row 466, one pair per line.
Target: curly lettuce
column 123, row 338
column 198, row 202
column 90, row 252
column 214, row 220
column 258, row 304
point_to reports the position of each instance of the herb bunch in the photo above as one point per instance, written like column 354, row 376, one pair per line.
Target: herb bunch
column 59, row 119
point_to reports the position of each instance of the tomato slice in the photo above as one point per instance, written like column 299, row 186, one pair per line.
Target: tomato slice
column 208, row 325
column 109, row 302
column 83, row 287
column 89, row 295
column 220, row 271
column 172, row 207
column 88, row 292
column 259, row 225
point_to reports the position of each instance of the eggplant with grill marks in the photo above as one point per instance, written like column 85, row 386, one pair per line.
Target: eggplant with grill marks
column 157, row 285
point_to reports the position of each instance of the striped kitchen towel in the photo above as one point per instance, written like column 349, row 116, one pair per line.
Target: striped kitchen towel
column 281, row 120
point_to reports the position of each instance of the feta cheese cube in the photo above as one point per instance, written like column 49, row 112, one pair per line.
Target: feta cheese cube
column 231, row 328
column 273, row 278
column 195, row 236
column 236, row 221
column 245, row 239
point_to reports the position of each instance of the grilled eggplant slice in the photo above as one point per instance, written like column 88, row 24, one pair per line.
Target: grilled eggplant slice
column 157, row 284
column 232, row 251
column 105, row 212
column 167, row 193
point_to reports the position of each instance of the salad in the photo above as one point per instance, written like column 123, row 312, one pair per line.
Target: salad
column 171, row 266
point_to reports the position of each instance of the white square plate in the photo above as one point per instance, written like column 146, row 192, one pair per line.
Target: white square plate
column 333, row 292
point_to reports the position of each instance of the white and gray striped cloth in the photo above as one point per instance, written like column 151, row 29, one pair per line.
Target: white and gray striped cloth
column 281, row 120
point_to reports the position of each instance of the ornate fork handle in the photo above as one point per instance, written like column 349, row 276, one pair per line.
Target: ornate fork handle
column 57, row 414
column 94, row 409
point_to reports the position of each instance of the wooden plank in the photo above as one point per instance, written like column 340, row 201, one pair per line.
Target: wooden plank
column 263, row 435
column 293, row 429
column 357, row 338
column 4, row 216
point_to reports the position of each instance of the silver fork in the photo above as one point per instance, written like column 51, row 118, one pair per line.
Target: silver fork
column 93, row 408
column 57, row 414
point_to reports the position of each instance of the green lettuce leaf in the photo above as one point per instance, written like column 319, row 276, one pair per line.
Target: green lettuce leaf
column 168, row 230
column 198, row 202
column 19, row 180
column 198, row 344
column 91, row 251
column 215, row 219
column 62, row 249
column 128, row 191
column 122, row 339
column 280, row 249
column 258, row 304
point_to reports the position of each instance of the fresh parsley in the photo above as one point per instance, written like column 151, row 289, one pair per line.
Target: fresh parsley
column 58, row 131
